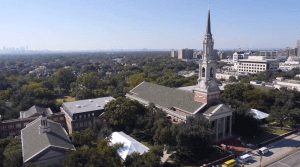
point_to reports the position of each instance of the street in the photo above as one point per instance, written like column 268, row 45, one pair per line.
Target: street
column 289, row 161
column 277, row 149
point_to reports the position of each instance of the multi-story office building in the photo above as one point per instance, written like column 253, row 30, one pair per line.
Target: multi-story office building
column 185, row 53
column 172, row 53
column 242, row 55
column 269, row 54
column 222, row 55
column 292, row 51
column 257, row 64
column 275, row 54
column 81, row 114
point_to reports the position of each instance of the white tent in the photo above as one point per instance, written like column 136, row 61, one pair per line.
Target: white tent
column 258, row 114
column 130, row 144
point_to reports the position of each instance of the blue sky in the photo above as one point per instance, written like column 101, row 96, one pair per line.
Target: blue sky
column 154, row 24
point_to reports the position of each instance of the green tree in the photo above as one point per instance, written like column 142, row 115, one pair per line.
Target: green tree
column 286, row 106
column 192, row 140
column 13, row 154
column 232, row 79
column 80, row 157
column 124, row 111
column 85, row 93
column 89, row 80
column 64, row 78
column 136, row 79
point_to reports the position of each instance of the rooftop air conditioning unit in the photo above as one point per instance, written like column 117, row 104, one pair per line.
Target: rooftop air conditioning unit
column 78, row 106
column 97, row 105
column 91, row 100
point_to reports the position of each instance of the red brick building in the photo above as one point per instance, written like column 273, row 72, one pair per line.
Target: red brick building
column 81, row 114
column 11, row 128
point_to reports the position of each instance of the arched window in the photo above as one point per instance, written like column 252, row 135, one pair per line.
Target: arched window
column 203, row 72
column 211, row 72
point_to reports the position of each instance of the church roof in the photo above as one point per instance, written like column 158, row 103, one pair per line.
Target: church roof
column 167, row 97
column 34, row 143
column 211, row 108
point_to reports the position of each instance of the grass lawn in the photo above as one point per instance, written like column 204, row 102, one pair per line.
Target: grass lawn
column 268, row 133
column 66, row 98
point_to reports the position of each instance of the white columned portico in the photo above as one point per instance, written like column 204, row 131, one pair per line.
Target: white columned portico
column 224, row 121
column 230, row 125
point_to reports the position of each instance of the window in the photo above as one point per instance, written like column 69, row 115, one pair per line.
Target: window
column 76, row 125
column 88, row 115
column 61, row 118
column 4, row 134
column 203, row 72
column 3, row 127
column 85, row 123
column 10, row 126
column 92, row 114
column 55, row 119
column 211, row 72
column 81, row 124
column 83, row 115
column 90, row 123
column 75, row 117
column 18, row 125
column 79, row 116
column 104, row 121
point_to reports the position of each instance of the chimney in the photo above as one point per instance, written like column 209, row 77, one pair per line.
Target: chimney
column 44, row 126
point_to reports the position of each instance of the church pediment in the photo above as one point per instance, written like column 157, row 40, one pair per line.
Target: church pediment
column 220, row 110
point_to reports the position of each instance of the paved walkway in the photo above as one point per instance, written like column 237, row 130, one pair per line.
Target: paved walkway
column 165, row 157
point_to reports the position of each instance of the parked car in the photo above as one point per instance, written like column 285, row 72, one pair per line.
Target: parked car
column 230, row 163
column 262, row 150
column 244, row 158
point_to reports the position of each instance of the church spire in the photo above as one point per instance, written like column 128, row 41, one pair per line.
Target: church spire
column 208, row 30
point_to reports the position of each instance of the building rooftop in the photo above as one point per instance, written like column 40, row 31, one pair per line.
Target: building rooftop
column 87, row 105
column 33, row 142
column 130, row 144
column 167, row 97
column 33, row 110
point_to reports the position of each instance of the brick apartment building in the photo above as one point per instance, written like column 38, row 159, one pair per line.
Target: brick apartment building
column 11, row 128
column 81, row 114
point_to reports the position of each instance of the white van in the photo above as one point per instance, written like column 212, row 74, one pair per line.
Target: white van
column 245, row 158
column 263, row 151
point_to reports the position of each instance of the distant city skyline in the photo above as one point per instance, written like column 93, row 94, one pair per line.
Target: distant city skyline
column 155, row 25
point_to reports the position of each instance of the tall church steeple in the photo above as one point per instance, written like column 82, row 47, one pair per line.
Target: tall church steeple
column 207, row 90
column 208, row 30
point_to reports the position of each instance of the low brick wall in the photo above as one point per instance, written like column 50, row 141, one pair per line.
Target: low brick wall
column 276, row 138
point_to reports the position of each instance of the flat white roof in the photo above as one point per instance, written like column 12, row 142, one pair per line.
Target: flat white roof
column 258, row 114
column 87, row 105
column 130, row 144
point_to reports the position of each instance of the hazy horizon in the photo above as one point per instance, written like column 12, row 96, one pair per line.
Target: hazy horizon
column 155, row 25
